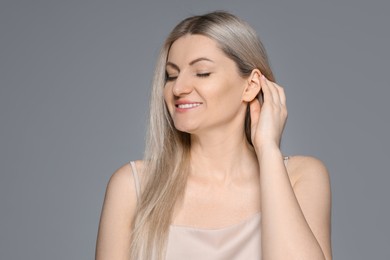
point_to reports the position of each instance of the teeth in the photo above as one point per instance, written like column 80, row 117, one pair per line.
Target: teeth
column 188, row 105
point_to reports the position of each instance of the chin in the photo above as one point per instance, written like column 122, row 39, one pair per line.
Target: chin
column 190, row 129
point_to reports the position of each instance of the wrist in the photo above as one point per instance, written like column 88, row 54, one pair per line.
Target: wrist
column 267, row 150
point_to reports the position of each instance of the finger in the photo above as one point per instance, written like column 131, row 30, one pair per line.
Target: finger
column 282, row 95
column 274, row 95
column 278, row 94
column 267, row 95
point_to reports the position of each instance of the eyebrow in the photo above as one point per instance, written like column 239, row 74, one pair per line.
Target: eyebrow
column 191, row 63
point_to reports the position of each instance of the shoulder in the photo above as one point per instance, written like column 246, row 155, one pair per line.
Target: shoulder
column 121, row 185
column 121, row 180
column 302, row 168
column 311, row 184
column 117, row 214
column 120, row 194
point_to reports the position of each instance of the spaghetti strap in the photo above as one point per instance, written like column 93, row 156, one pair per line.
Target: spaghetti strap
column 285, row 159
column 136, row 179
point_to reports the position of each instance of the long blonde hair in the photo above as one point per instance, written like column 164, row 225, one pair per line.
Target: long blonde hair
column 167, row 155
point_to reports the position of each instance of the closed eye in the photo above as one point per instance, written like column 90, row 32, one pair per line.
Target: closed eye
column 170, row 78
column 203, row 75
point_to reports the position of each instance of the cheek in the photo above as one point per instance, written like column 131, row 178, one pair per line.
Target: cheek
column 168, row 97
column 229, row 100
column 230, row 94
column 165, row 93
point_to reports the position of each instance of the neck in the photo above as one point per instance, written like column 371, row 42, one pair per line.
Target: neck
column 222, row 156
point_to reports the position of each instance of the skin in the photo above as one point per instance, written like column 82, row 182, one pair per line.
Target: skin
column 239, row 180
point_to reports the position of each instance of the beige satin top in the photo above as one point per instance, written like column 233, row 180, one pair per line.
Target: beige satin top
column 241, row 241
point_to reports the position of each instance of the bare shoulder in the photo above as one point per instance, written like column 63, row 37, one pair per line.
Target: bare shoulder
column 122, row 187
column 301, row 168
column 121, row 183
column 122, row 180
column 118, row 210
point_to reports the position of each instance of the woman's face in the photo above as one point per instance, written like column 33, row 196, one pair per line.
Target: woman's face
column 203, row 90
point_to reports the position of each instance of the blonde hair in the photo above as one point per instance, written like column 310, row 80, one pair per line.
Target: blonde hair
column 167, row 155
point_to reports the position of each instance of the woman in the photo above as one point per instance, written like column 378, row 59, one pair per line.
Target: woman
column 214, row 183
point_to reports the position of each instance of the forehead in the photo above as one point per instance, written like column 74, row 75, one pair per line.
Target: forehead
column 193, row 46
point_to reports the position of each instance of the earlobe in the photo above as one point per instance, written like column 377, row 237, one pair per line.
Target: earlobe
column 253, row 86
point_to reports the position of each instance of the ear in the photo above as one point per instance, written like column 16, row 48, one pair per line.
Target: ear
column 252, row 87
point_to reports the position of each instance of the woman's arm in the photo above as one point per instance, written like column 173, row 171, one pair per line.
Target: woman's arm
column 113, row 240
column 295, row 217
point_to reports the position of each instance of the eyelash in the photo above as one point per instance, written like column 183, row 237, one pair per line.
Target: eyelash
column 167, row 78
column 203, row 75
column 200, row 75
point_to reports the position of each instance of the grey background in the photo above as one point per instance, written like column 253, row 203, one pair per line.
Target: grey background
column 74, row 84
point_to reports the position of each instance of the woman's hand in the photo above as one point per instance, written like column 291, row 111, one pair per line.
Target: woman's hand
column 268, row 120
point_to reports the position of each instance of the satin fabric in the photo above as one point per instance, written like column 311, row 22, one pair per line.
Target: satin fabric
column 240, row 241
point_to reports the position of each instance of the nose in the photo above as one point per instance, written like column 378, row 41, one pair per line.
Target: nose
column 182, row 86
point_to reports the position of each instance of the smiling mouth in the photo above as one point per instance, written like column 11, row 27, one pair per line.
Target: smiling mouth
column 192, row 105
